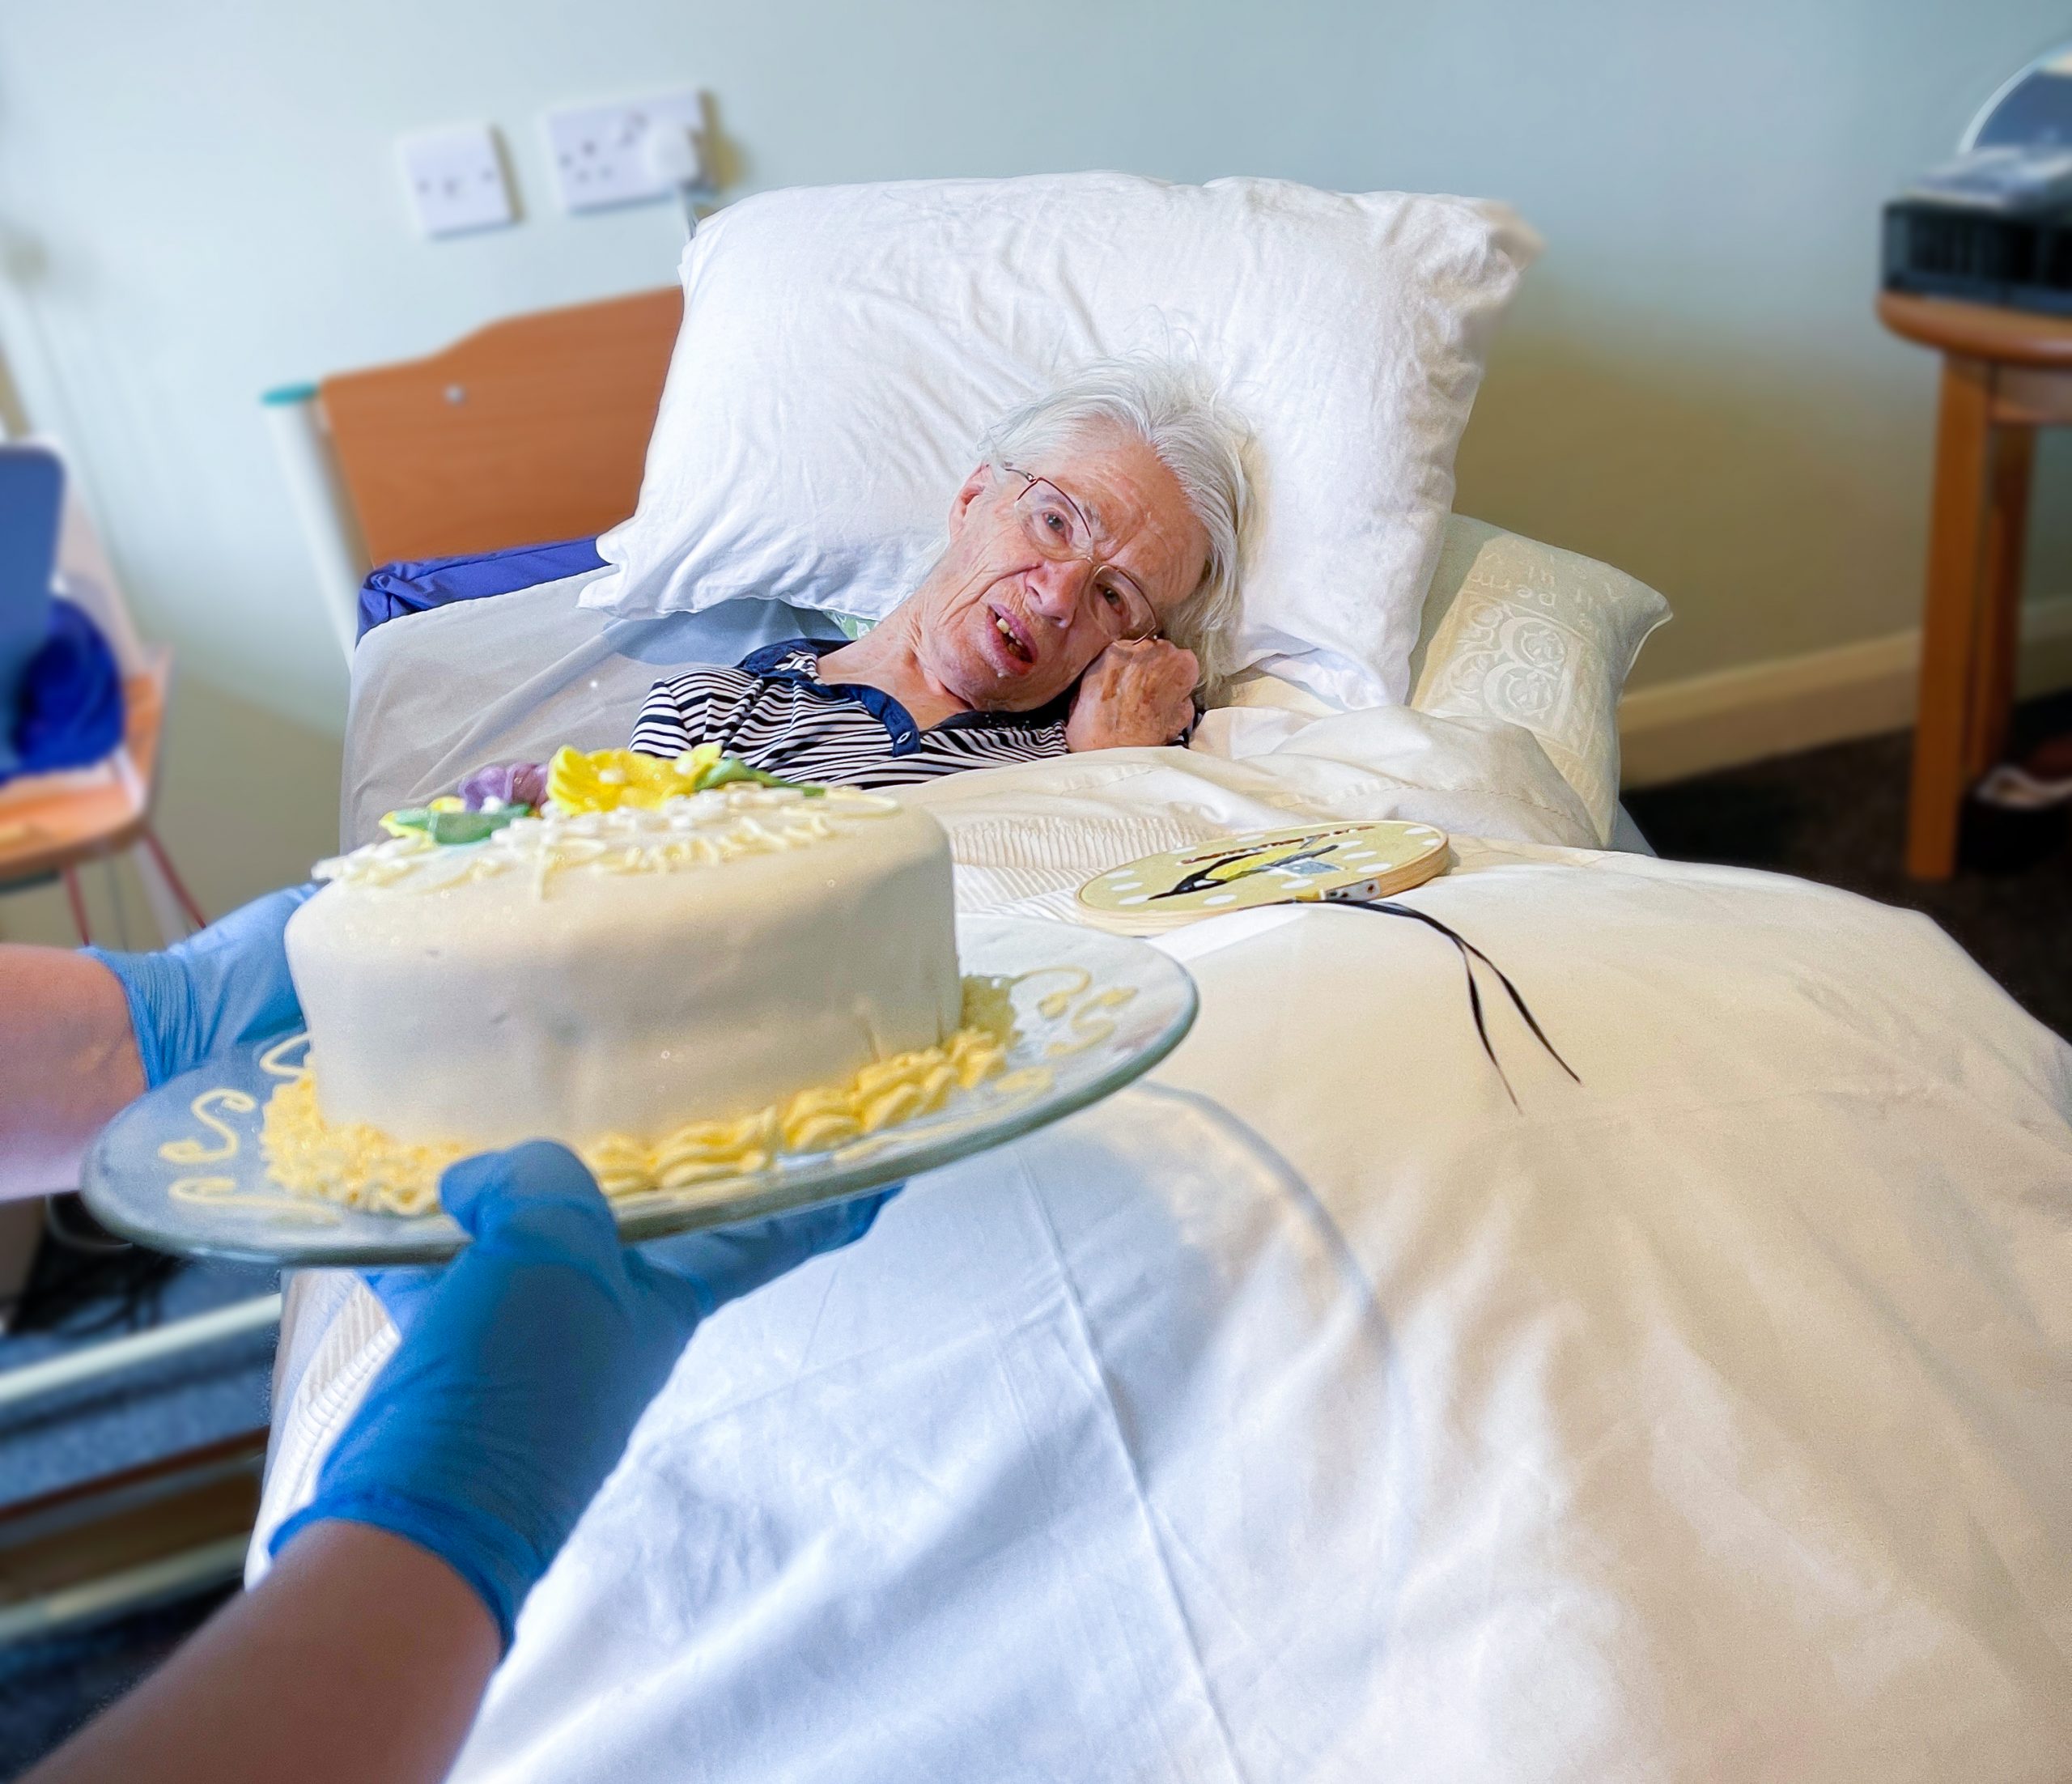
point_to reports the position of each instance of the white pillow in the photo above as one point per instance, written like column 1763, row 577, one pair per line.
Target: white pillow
column 844, row 347
column 1545, row 638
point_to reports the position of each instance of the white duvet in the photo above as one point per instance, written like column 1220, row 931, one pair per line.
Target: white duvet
column 1310, row 1412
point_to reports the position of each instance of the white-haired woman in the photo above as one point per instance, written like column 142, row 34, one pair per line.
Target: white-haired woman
column 1085, row 593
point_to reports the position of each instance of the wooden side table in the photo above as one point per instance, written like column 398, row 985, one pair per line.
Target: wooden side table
column 2005, row 374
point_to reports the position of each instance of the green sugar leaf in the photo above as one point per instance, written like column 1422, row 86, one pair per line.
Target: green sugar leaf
column 453, row 829
column 731, row 768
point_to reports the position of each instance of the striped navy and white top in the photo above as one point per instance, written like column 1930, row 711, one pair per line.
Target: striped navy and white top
column 776, row 714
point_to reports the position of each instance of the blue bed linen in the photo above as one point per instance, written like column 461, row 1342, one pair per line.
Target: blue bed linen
column 395, row 589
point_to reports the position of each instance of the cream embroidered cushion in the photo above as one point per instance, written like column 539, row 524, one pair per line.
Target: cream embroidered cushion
column 1544, row 638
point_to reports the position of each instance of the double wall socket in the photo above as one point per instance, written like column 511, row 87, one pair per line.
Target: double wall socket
column 603, row 155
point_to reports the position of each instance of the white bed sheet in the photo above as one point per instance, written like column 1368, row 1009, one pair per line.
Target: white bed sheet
column 1309, row 1412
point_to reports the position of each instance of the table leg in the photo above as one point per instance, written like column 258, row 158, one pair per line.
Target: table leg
column 2011, row 454
column 1950, row 633
column 21, row 1235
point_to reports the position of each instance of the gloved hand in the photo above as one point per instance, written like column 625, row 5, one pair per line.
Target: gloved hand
column 525, row 1363
column 226, row 985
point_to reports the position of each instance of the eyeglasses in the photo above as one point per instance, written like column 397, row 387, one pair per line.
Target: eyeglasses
column 1058, row 529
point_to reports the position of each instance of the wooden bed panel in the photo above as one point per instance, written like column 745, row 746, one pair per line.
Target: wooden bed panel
column 531, row 429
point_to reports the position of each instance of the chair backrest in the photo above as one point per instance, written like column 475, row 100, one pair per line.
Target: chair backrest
column 32, row 506
column 531, row 429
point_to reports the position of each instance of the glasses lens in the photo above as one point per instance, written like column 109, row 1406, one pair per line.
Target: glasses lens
column 1051, row 523
column 1123, row 609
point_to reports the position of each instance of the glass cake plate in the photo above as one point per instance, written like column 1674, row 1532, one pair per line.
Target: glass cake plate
column 1092, row 1012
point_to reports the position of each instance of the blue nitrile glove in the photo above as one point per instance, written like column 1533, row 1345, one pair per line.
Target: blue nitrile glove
column 525, row 1363
column 228, row 984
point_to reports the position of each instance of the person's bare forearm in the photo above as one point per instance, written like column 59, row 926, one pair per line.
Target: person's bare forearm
column 68, row 1063
column 359, row 1656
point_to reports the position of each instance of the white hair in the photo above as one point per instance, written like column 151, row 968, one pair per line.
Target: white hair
column 1174, row 412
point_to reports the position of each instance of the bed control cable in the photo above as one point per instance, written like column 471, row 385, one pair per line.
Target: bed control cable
column 1469, row 954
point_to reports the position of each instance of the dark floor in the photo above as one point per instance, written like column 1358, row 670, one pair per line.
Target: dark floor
column 1836, row 815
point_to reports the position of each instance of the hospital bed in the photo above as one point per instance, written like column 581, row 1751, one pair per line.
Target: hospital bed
column 1313, row 1411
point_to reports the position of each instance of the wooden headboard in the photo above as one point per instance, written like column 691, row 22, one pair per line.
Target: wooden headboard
column 529, row 429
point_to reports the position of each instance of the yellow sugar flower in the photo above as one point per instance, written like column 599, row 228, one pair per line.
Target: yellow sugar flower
column 603, row 780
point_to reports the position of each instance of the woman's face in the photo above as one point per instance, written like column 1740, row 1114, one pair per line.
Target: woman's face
column 1049, row 564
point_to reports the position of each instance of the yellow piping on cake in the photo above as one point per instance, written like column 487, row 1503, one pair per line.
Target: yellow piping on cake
column 364, row 1167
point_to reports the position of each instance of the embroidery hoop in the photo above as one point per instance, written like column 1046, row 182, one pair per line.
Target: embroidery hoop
column 1303, row 864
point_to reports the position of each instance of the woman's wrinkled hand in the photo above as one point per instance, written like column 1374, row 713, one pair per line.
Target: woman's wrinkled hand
column 1138, row 693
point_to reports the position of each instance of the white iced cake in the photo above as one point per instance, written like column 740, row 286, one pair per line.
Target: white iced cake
column 675, row 982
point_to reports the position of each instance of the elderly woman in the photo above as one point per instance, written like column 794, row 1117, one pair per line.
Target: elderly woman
column 1083, row 594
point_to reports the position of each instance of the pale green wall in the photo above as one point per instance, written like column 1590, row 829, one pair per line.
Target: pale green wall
column 199, row 200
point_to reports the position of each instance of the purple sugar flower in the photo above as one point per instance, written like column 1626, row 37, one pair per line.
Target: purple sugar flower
column 511, row 784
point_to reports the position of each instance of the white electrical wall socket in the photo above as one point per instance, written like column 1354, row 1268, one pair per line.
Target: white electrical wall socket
column 602, row 154
column 456, row 179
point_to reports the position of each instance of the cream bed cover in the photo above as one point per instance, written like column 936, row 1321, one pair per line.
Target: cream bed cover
column 1310, row 1412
